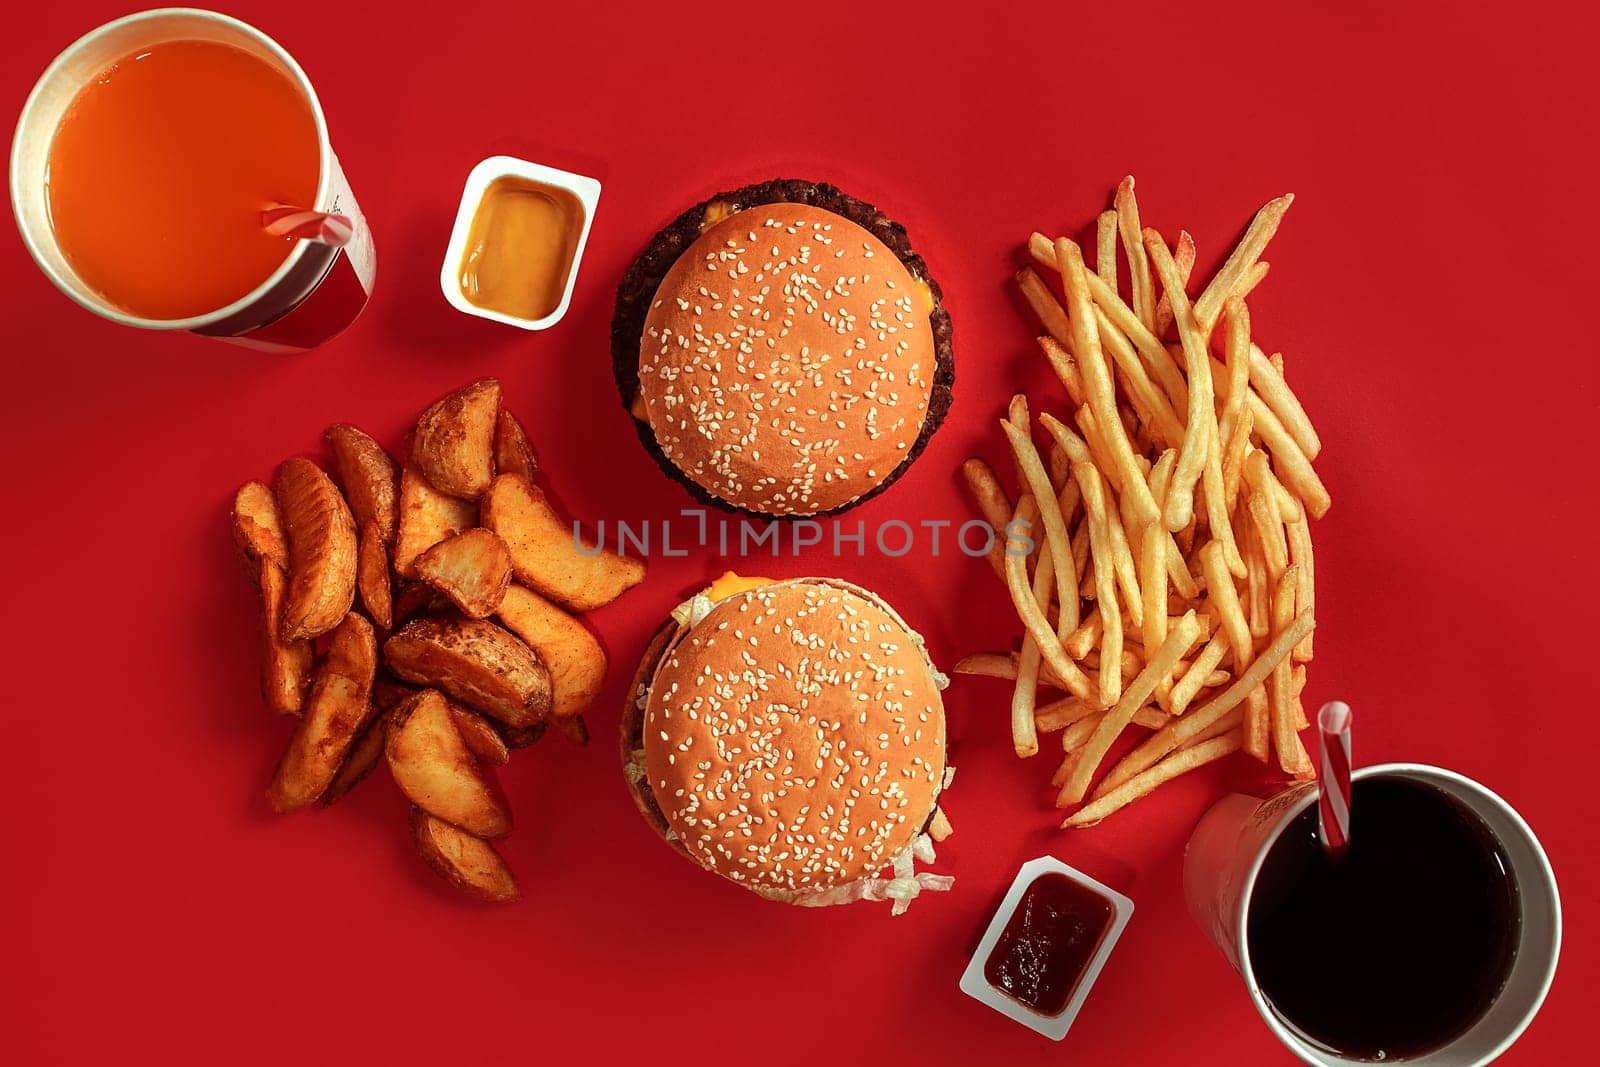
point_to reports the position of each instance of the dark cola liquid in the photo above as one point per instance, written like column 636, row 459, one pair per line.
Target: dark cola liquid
column 1399, row 947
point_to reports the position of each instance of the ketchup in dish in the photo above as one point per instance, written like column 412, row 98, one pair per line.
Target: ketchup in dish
column 1047, row 945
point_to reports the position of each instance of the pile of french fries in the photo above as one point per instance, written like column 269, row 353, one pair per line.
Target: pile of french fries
column 462, row 647
column 1158, row 551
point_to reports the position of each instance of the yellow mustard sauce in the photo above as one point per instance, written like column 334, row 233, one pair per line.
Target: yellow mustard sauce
column 520, row 248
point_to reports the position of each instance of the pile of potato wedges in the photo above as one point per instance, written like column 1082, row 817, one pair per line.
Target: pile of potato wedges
column 418, row 614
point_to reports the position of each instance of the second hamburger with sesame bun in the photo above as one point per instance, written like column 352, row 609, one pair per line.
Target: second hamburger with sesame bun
column 783, row 350
column 789, row 736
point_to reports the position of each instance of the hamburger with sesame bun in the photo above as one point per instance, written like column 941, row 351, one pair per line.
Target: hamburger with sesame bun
column 789, row 736
column 783, row 350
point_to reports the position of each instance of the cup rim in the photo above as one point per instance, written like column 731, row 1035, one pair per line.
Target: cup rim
column 1293, row 1041
column 102, row 307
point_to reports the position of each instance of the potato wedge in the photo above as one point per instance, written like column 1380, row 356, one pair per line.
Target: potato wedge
column 473, row 569
column 285, row 665
column 576, row 661
column 453, row 446
column 339, row 706
column 544, row 554
column 469, row 863
column 512, row 452
column 482, row 739
column 369, row 478
column 573, row 728
column 416, row 599
column 322, row 549
column 523, row 736
column 372, row 577
column 258, row 529
column 436, row 770
column 388, row 694
column 476, row 662
column 364, row 755
column 427, row 517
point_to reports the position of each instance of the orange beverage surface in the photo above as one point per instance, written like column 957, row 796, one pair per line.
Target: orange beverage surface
column 160, row 170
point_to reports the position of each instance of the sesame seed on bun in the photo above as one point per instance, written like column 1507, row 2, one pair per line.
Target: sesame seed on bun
column 792, row 739
column 789, row 360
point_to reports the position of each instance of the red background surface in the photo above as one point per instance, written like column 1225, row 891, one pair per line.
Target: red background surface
column 1425, row 291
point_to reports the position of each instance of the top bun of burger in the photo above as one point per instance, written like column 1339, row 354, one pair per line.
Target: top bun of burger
column 787, row 361
column 794, row 738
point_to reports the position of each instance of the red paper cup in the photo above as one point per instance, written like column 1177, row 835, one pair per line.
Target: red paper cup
column 314, row 294
column 1232, row 840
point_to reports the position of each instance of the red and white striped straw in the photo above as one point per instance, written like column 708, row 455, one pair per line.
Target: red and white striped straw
column 1333, row 804
column 319, row 226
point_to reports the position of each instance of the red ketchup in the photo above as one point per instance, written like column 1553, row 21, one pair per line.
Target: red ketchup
column 1048, row 943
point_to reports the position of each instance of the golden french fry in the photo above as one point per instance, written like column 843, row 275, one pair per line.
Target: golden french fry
column 1194, row 472
column 1062, row 713
column 1177, row 568
column 1270, row 385
column 1059, row 464
column 1216, row 504
column 1289, row 507
column 1199, row 673
column 1101, row 550
column 1105, row 247
column 1017, row 411
column 1257, row 581
column 1183, row 730
column 1158, row 362
column 1177, row 510
column 1281, row 693
column 1252, row 278
column 1298, row 681
column 1151, row 402
column 1078, row 733
column 1293, row 467
column 1086, row 636
column 1306, row 595
column 1153, row 584
column 1126, row 571
column 1024, row 736
column 1257, row 724
column 1076, row 448
column 1263, row 504
column 1134, row 697
column 1225, row 599
column 994, row 505
column 1064, row 770
column 1236, row 346
column 1243, row 258
column 1066, row 368
column 1144, row 301
column 1097, row 378
column 1051, row 315
column 1099, row 451
column 1142, row 784
column 1229, row 722
column 1080, row 555
column 1043, row 250
column 986, row 665
column 1183, row 254
column 1032, row 617
column 1037, row 480
column 1234, row 450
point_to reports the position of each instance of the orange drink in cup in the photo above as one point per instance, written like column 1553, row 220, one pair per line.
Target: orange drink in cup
column 153, row 171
